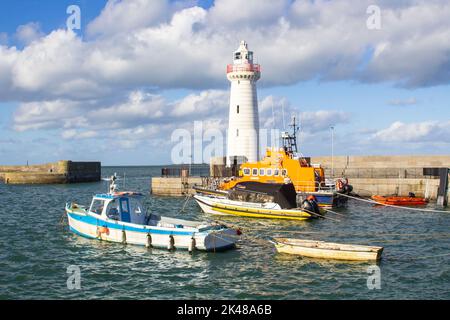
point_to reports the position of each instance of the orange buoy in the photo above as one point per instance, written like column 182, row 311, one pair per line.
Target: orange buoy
column 103, row 230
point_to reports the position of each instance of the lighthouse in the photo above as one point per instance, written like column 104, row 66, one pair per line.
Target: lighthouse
column 243, row 126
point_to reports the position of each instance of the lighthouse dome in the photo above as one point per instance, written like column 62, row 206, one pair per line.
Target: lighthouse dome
column 242, row 54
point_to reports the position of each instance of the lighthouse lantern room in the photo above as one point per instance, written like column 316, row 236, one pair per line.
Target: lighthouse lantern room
column 243, row 127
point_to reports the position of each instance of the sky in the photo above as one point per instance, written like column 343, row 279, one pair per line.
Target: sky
column 116, row 89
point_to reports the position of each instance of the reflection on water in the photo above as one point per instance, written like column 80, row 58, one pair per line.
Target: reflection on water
column 35, row 251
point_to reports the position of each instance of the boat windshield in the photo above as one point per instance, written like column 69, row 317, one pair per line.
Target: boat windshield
column 97, row 206
column 112, row 211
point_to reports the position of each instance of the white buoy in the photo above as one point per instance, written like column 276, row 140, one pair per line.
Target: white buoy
column 243, row 121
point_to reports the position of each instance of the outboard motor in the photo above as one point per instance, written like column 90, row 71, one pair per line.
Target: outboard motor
column 310, row 204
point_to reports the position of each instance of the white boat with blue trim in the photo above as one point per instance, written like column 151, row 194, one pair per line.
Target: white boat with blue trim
column 121, row 217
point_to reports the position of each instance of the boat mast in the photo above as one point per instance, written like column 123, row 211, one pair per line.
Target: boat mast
column 290, row 140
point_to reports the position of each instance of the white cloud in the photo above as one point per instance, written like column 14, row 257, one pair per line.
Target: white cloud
column 28, row 33
column 162, row 45
column 3, row 38
column 322, row 120
column 403, row 102
column 204, row 103
column 121, row 16
column 276, row 111
column 74, row 134
column 426, row 132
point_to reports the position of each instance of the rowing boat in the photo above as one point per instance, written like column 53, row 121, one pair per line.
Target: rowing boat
column 400, row 201
column 327, row 250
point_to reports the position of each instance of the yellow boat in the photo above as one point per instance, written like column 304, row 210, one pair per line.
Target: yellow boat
column 270, row 210
column 286, row 165
column 328, row 250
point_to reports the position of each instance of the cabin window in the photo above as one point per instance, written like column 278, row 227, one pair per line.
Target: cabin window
column 269, row 172
column 276, row 172
column 255, row 172
column 237, row 109
column 112, row 210
column 262, row 172
column 237, row 132
column 237, row 55
column 284, row 172
column 246, row 171
column 97, row 206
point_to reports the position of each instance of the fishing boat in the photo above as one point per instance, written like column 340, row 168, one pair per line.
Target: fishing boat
column 122, row 217
column 412, row 200
column 287, row 164
column 328, row 250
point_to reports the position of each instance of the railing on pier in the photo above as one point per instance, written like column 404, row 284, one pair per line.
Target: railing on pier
column 380, row 173
column 197, row 170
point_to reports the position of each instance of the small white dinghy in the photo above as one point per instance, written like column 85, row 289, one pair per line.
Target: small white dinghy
column 121, row 217
column 327, row 250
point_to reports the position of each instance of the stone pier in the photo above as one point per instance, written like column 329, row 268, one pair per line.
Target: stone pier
column 63, row 171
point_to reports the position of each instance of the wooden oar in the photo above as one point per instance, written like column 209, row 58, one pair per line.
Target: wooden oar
column 336, row 213
column 319, row 215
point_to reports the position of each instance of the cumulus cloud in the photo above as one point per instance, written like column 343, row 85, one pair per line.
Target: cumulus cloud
column 428, row 131
column 161, row 45
column 74, row 134
column 403, row 102
column 133, row 112
column 28, row 33
column 111, row 82
column 3, row 38
column 277, row 112
column 121, row 16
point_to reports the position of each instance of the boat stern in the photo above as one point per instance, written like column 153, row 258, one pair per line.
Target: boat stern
column 220, row 240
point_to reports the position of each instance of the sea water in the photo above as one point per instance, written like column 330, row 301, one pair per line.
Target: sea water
column 39, row 255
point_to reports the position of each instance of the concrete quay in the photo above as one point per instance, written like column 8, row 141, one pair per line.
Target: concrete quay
column 388, row 175
column 63, row 171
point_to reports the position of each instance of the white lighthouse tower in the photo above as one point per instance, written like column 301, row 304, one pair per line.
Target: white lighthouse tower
column 243, row 127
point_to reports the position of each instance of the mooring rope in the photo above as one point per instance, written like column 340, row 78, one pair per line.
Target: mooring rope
column 393, row 206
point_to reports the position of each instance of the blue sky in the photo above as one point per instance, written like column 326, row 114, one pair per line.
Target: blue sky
column 138, row 70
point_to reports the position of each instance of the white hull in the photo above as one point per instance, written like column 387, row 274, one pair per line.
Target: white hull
column 157, row 237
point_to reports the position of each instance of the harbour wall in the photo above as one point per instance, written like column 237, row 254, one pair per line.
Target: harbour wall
column 387, row 175
column 63, row 171
column 174, row 186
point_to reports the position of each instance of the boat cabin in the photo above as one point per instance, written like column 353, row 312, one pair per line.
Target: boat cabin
column 278, row 166
column 120, row 206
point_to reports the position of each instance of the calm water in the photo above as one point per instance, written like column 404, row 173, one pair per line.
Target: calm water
column 35, row 251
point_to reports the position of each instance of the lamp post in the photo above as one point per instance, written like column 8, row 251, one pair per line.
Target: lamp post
column 332, row 152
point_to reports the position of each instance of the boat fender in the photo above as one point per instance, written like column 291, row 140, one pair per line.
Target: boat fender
column 171, row 244
column 192, row 245
column 124, row 237
column 149, row 240
column 102, row 230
